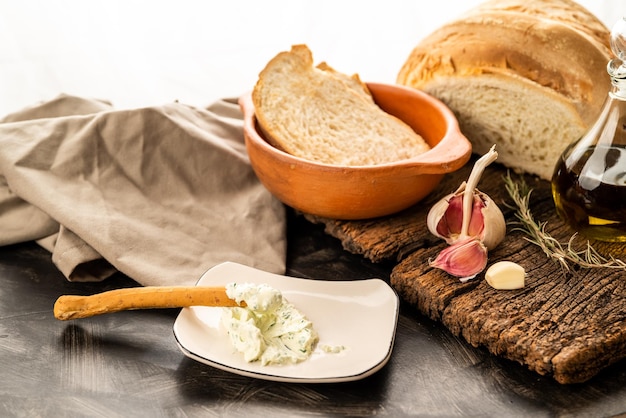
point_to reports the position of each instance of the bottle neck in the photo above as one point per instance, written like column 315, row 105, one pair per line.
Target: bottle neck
column 617, row 71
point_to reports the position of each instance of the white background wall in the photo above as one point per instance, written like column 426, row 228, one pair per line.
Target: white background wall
column 138, row 53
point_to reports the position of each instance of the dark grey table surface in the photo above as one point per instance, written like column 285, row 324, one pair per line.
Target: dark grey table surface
column 128, row 364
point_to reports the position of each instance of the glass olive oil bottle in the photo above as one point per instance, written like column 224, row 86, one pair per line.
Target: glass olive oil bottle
column 589, row 181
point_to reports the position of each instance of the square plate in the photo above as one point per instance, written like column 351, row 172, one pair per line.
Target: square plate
column 360, row 315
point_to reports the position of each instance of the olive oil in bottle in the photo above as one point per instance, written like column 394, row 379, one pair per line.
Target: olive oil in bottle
column 591, row 193
column 589, row 181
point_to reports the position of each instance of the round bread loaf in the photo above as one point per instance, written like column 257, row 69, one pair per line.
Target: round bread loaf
column 529, row 76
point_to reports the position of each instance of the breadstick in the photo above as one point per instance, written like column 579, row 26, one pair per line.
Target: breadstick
column 150, row 297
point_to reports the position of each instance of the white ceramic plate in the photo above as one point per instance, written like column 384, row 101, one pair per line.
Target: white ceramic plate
column 360, row 315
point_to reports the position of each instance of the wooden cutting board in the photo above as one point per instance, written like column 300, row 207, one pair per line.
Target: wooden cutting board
column 564, row 324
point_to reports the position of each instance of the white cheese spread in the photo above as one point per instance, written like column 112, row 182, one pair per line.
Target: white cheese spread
column 269, row 329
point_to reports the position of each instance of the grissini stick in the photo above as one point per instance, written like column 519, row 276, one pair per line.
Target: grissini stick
column 149, row 297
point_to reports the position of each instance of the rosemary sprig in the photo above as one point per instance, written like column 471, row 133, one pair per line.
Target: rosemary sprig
column 536, row 233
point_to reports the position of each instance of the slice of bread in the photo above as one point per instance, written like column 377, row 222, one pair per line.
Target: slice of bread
column 319, row 114
column 527, row 75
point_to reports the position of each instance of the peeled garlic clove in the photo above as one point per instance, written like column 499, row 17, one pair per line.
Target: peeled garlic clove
column 464, row 259
column 506, row 275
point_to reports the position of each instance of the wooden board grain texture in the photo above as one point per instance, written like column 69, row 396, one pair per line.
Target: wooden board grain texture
column 564, row 324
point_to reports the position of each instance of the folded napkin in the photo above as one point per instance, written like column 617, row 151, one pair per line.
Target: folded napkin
column 160, row 194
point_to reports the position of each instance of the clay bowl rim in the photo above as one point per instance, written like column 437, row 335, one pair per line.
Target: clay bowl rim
column 449, row 154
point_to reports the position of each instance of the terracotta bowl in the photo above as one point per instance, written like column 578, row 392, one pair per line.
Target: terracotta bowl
column 350, row 193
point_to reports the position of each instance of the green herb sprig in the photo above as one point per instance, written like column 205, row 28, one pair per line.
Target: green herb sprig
column 564, row 253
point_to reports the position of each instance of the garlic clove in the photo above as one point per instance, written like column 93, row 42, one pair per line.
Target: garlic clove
column 445, row 218
column 463, row 259
column 476, row 226
column 506, row 275
column 493, row 220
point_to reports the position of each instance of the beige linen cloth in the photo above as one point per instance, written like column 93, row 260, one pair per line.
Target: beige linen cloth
column 160, row 194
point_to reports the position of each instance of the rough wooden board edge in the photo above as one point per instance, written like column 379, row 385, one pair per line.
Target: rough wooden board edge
column 543, row 326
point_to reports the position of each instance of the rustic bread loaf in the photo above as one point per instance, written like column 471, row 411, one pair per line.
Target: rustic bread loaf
column 527, row 75
column 319, row 114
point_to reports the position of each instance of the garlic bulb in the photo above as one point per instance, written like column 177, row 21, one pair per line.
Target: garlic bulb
column 485, row 221
column 470, row 222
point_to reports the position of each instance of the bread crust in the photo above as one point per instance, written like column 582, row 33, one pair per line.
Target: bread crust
column 567, row 12
column 543, row 51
